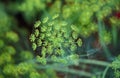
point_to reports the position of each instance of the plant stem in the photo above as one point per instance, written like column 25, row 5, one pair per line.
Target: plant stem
column 105, row 71
column 102, row 63
column 66, row 70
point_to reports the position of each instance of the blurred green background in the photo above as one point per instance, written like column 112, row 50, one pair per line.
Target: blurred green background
column 91, row 27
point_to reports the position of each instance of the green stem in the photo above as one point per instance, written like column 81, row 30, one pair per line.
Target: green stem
column 101, row 28
column 114, row 34
column 86, row 61
column 66, row 70
column 105, row 71
column 64, row 67
column 95, row 62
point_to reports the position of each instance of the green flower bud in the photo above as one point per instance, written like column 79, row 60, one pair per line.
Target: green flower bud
column 32, row 37
column 93, row 27
column 45, row 20
column 79, row 42
column 48, row 34
column 41, row 60
column 34, row 46
column 39, row 42
column 73, row 47
column 74, row 28
column 49, row 49
column 55, row 16
column 43, row 29
column 36, row 32
column 37, row 24
column 51, row 23
column 43, row 51
column 64, row 23
column 85, row 17
column 74, row 35
column 42, row 36
column 106, row 37
column 57, row 51
column 57, row 28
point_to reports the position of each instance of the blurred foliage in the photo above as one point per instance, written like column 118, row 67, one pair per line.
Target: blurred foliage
column 116, row 66
column 15, row 59
column 70, row 38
